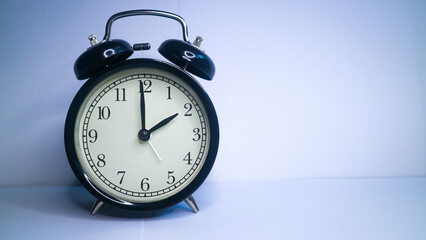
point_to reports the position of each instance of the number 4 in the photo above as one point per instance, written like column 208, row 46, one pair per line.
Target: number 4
column 188, row 158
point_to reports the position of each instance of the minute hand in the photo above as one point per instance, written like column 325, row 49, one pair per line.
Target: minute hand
column 142, row 105
column 163, row 122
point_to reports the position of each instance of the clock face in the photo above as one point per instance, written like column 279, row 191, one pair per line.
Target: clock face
column 142, row 134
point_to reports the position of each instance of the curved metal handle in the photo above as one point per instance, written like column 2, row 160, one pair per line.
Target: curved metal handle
column 146, row 12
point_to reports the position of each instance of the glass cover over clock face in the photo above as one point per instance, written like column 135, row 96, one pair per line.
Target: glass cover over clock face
column 141, row 135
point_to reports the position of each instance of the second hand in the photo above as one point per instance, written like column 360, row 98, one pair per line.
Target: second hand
column 155, row 151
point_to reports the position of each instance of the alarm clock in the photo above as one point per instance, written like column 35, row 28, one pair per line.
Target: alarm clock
column 142, row 134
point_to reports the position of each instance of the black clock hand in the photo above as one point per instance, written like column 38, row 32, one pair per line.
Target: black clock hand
column 142, row 105
column 163, row 122
column 143, row 134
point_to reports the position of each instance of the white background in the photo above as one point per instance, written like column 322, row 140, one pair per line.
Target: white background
column 303, row 89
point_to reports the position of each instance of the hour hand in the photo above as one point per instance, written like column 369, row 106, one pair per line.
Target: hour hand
column 163, row 122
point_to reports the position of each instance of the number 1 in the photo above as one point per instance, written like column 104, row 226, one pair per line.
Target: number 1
column 168, row 93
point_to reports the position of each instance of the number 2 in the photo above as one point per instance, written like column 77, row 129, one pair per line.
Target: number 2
column 189, row 107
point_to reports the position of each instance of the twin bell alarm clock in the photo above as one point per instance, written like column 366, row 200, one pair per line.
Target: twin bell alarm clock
column 141, row 133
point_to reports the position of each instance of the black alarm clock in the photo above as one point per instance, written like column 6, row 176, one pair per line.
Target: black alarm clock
column 142, row 134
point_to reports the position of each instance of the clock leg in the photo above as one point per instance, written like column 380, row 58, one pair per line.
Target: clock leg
column 190, row 201
column 96, row 206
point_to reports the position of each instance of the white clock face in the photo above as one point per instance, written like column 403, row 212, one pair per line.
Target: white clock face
column 132, row 165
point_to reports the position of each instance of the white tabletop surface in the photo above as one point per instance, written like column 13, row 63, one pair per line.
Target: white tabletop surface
column 393, row 208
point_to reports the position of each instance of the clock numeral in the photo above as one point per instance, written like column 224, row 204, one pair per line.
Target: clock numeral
column 145, row 184
column 122, row 176
column 148, row 84
column 104, row 113
column 188, row 158
column 189, row 107
column 171, row 178
column 197, row 135
column 169, row 93
column 93, row 134
column 101, row 160
column 120, row 95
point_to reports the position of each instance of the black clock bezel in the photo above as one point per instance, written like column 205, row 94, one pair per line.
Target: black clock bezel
column 70, row 125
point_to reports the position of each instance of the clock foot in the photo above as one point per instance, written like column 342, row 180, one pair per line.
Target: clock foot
column 96, row 206
column 190, row 201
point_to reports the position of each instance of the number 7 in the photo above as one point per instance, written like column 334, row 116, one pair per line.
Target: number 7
column 121, row 172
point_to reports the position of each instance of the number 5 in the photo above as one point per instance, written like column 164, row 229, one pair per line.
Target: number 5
column 171, row 177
